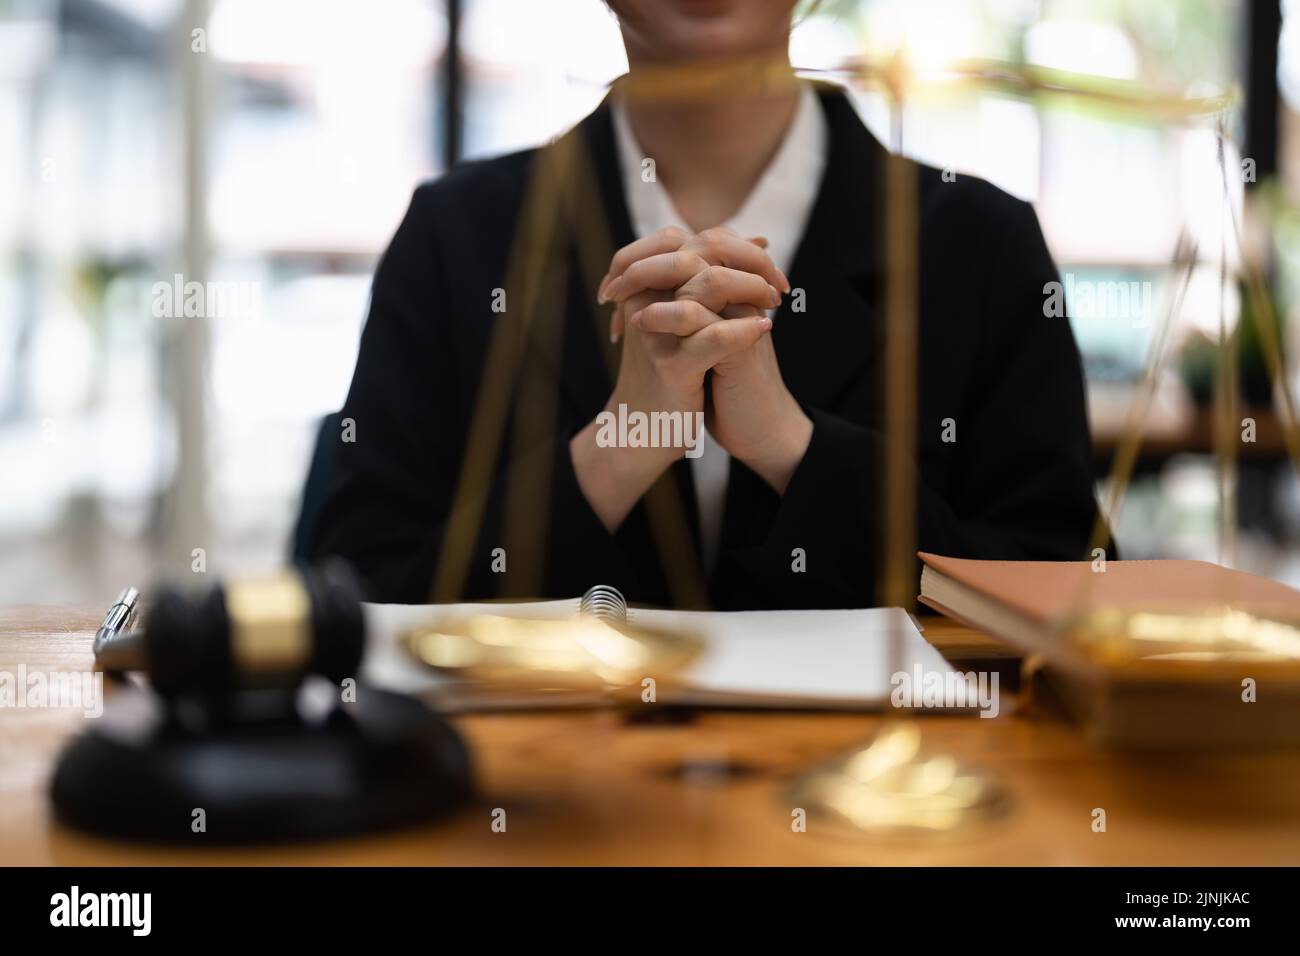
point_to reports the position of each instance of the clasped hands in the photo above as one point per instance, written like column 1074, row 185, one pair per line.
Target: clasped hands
column 687, row 306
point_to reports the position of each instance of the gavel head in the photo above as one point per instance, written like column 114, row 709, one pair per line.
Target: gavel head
column 256, row 632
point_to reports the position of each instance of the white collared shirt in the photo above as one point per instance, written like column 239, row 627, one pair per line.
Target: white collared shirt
column 778, row 208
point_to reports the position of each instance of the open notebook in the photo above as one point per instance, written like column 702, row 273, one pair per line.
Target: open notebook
column 780, row 659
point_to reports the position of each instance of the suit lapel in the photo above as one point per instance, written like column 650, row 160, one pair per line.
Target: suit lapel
column 836, row 339
column 837, row 336
column 597, row 130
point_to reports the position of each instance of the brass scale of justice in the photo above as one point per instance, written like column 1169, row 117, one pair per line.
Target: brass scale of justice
column 895, row 784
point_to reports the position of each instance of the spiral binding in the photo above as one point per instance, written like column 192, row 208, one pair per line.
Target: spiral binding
column 605, row 602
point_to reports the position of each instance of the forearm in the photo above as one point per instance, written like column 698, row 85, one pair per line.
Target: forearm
column 776, row 459
column 612, row 478
column 832, row 512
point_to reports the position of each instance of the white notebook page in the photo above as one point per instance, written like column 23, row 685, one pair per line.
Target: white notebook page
column 836, row 659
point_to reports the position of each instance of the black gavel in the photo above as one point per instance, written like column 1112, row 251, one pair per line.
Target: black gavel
column 229, row 728
column 254, row 632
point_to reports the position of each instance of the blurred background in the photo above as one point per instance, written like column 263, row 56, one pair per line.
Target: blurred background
column 268, row 148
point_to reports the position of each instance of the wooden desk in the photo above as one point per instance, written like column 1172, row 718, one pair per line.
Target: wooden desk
column 586, row 787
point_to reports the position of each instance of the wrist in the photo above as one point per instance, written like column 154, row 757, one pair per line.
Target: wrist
column 778, row 458
column 613, row 477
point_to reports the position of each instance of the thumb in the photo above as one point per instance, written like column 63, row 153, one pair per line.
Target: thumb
column 715, row 342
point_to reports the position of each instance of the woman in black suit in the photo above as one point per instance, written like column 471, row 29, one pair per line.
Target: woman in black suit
column 746, row 291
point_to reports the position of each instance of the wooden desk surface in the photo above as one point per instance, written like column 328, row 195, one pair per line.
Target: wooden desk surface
column 588, row 788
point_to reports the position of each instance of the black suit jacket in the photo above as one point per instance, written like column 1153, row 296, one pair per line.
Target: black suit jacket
column 1016, row 483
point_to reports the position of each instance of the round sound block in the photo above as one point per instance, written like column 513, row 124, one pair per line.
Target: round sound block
column 382, row 761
